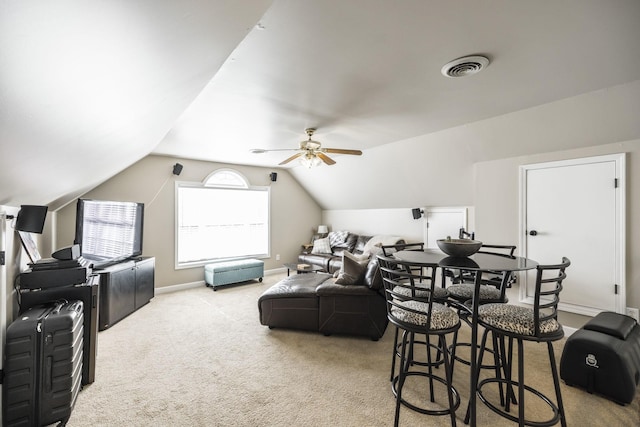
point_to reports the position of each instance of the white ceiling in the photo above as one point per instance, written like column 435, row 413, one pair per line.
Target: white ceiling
column 98, row 85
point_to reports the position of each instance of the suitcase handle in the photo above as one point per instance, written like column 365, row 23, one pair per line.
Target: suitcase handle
column 58, row 306
column 76, row 306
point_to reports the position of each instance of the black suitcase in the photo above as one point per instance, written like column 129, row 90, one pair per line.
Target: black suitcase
column 43, row 365
column 88, row 293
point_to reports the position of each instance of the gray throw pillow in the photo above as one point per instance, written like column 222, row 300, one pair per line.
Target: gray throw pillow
column 352, row 271
column 321, row 246
column 337, row 237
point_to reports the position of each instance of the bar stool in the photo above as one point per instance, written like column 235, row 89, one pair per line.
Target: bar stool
column 538, row 324
column 439, row 294
column 492, row 290
column 424, row 316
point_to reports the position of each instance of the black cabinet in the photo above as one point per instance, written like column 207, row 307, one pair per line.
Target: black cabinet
column 124, row 288
column 145, row 281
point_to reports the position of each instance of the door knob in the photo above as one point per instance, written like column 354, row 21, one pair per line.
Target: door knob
column 533, row 233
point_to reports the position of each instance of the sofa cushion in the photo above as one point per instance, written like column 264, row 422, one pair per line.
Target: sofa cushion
column 372, row 276
column 330, row 287
column 321, row 246
column 320, row 260
column 350, row 242
column 353, row 270
column 339, row 248
column 296, row 286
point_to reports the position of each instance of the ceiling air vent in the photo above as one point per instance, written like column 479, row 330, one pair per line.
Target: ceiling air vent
column 465, row 66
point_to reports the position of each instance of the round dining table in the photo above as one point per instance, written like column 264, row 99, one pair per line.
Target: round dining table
column 479, row 263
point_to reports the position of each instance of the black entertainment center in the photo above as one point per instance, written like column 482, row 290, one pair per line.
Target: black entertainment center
column 104, row 268
column 124, row 288
column 109, row 234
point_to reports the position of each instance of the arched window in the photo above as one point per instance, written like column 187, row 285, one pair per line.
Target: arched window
column 222, row 217
column 226, row 178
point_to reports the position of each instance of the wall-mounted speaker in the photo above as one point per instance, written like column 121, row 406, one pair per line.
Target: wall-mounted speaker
column 273, row 176
column 417, row 213
column 31, row 218
column 177, row 168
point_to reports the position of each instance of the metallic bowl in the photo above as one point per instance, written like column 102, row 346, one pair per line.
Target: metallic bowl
column 459, row 247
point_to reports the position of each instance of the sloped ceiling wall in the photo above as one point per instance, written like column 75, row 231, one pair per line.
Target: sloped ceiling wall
column 90, row 87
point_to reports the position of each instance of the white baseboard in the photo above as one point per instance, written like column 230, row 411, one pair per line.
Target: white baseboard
column 180, row 287
column 184, row 286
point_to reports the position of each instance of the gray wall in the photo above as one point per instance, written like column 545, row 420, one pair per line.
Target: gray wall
column 495, row 209
column 496, row 184
column 294, row 214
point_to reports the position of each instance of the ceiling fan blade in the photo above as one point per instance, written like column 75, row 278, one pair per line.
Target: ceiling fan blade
column 328, row 160
column 342, row 151
column 262, row 150
column 295, row 156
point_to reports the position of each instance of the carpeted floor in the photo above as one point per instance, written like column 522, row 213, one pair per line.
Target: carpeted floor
column 201, row 358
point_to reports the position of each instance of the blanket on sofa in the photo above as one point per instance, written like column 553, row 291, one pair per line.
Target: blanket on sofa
column 379, row 240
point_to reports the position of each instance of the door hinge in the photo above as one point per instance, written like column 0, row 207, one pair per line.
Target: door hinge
column 616, row 288
column 615, row 183
column 2, row 258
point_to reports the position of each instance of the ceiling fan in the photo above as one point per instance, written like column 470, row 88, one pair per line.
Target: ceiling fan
column 311, row 152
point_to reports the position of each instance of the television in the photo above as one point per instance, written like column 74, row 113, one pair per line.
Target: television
column 109, row 231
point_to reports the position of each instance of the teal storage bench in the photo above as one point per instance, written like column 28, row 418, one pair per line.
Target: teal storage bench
column 236, row 271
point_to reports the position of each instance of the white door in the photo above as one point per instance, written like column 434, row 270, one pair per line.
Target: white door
column 575, row 209
column 442, row 222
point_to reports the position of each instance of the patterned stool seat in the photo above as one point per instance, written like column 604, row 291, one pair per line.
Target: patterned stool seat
column 515, row 319
column 442, row 317
column 423, row 291
column 464, row 291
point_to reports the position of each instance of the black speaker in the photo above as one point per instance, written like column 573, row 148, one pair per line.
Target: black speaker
column 31, row 218
column 69, row 253
column 273, row 176
column 417, row 213
column 177, row 168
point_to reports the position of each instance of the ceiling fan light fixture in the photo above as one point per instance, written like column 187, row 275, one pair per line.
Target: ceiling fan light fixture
column 310, row 152
column 465, row 66
column 310, row 160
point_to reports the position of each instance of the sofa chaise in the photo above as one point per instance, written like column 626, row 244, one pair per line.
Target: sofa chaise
column 351, row 303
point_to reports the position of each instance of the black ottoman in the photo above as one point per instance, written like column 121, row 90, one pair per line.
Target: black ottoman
column 604, row 357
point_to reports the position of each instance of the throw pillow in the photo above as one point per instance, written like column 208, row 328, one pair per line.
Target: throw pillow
column 352, row 271
column 337, row 237
column 321, row 246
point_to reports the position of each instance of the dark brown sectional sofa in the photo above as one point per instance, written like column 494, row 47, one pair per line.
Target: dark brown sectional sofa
column 315, row 302
column 332, row 262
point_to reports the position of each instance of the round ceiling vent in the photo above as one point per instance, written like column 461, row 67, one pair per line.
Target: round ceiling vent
column 465, row 66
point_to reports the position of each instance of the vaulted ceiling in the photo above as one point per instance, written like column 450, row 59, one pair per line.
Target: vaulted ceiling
column 90, row 87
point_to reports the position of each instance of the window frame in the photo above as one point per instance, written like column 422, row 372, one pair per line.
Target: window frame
column 209, row 182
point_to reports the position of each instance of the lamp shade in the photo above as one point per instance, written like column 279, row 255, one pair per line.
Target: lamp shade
column 323, row 229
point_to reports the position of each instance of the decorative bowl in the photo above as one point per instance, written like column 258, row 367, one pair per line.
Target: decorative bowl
column 459, row 247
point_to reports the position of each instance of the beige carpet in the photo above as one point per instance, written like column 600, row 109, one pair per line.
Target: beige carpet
column 201, row 358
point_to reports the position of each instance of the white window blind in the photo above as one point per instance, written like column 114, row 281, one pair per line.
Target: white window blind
column 219, row 222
